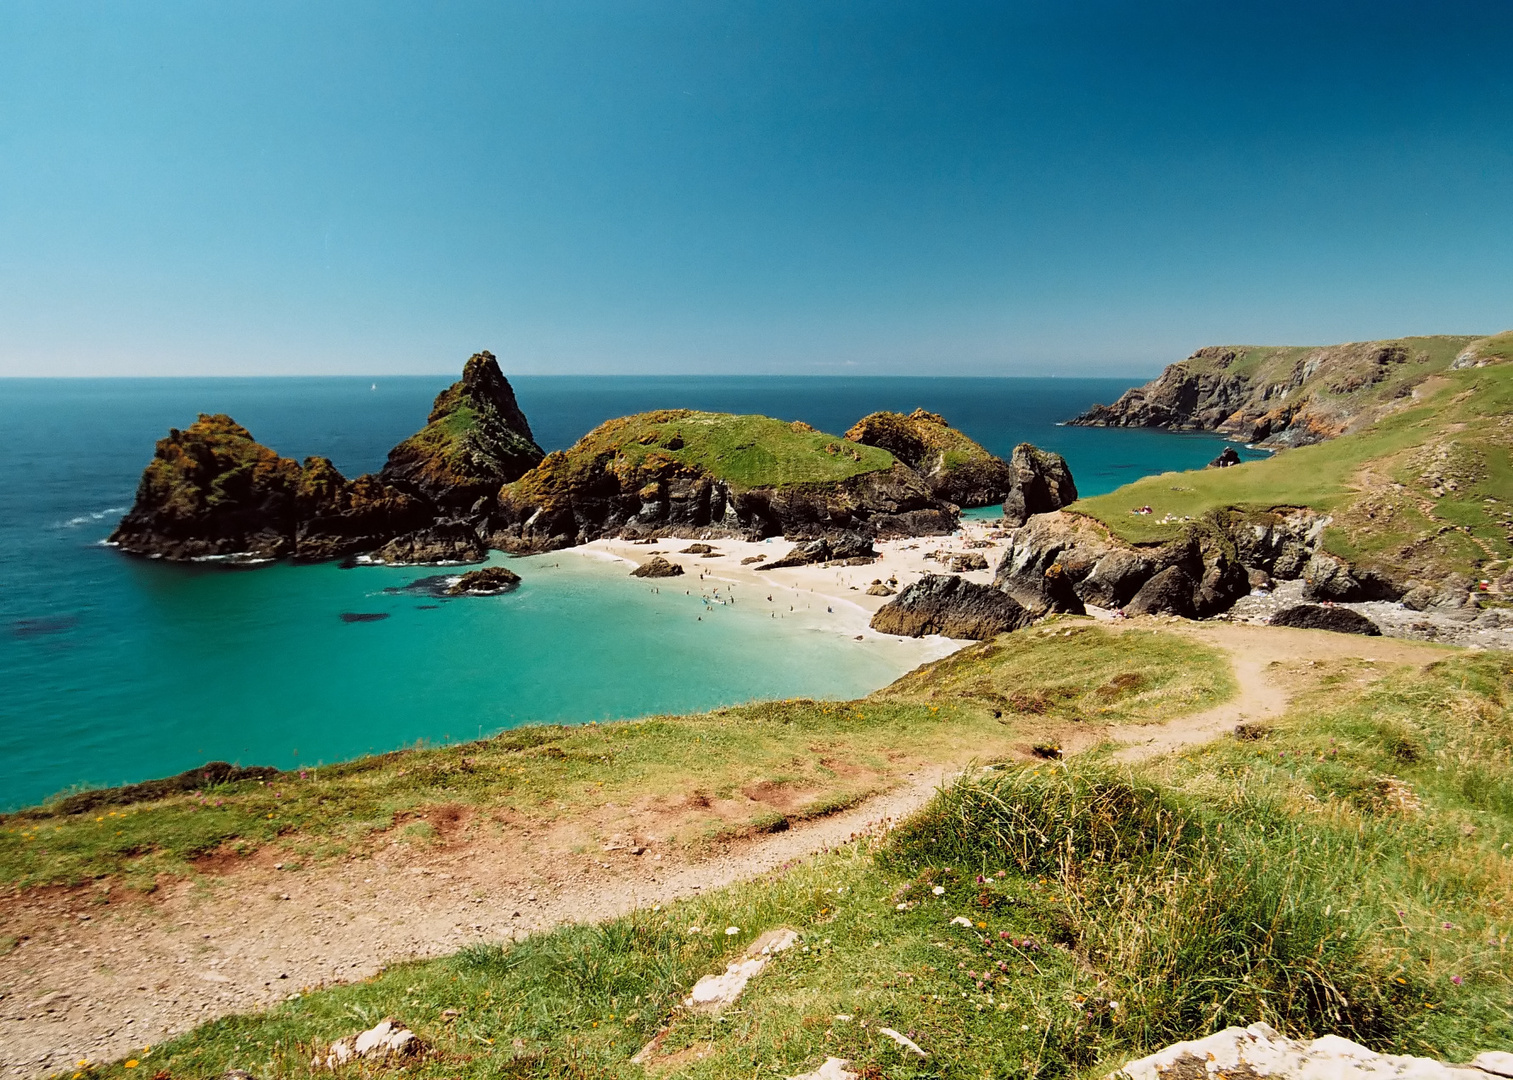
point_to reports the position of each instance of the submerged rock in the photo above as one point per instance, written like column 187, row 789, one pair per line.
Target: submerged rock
column 953, row 606
column 658, row 567
column 1315, row 617
column 490, row 581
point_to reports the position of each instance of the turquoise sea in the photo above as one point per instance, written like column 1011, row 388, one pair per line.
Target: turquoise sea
column 115, row 669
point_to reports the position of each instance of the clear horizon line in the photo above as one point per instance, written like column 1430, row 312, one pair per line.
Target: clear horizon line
column 584, row 375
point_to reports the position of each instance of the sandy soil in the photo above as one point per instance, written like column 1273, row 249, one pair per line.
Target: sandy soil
column 96, row 980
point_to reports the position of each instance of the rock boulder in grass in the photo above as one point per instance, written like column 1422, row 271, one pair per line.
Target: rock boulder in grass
column 952, row 465
column 475, row 439
column 1260, row 1051
column 952, row 606
column 1314, row 617
column 1042, row 483
column 490, row 581
column 388, row 1039
column 657, row 567
column 1228, row 457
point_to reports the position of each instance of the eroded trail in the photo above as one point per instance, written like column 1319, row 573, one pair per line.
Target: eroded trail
column 100, row 981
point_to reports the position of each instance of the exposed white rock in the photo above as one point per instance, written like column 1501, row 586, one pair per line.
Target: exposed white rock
column 388, row 1038
column 713, row 992
column 1258, row 1050
column 832, row 1069
column 903, row 1041
column 1496, row 1062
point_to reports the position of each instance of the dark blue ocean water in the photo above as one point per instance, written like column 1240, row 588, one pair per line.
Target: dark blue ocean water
column 114, row 669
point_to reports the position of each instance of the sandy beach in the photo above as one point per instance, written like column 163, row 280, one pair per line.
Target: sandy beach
column 831, row 598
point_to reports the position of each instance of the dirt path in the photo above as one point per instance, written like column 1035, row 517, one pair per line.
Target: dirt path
column 99, row 981
column 1258, row 656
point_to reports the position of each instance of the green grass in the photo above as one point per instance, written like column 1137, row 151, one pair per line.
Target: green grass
column 1111, row 911
column 824, row 754
column 1377, row 482
column 744, row 451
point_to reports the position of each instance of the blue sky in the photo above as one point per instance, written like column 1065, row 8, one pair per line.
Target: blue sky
column 807, row 187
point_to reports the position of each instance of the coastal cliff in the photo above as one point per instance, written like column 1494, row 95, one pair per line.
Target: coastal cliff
column 679, row 471
column 1283, row 396
column 213, row 491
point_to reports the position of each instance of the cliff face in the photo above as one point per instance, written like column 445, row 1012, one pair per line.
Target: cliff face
column 1065, row 561
column 1288, row 396
column 682, row 471
column 475, row 439
column 212, row 490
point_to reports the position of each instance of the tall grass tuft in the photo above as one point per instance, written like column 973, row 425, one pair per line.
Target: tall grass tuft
column 1194, row 921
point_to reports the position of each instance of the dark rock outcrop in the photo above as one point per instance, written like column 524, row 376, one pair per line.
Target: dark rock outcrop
column 657, row 567
column 211, row 774
column 953, row 466
column 1042, row 483
column 475, row 439
column 490, row 581
column 212, row 491
column 937, row 604
column 1169, row 592
column 1314, row 617
column 1228, row 457
column 446, row 543
column 1063, row 561
column 848, row 548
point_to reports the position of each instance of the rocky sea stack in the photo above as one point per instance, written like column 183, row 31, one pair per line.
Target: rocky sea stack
column 677, row 472
column 474, row 479
column 475, row 440
column 213, row 491
column 961, row 471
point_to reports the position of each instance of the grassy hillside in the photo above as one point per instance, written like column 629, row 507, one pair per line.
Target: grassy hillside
column 1424, row 491
column 823, row 755
column 744, row 451
column 1345, row 871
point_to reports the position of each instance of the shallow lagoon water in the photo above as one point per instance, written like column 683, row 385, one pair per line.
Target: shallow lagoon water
column 115, row 669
